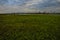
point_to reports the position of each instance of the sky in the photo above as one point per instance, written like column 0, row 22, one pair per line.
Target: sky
column 10, row 6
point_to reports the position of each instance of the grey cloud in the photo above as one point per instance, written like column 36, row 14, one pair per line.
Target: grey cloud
column 29, row 6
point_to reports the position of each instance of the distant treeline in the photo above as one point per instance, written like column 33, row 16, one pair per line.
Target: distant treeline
column 30, row 13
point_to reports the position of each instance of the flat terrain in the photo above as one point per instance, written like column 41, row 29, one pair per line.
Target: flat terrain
column 30, row 27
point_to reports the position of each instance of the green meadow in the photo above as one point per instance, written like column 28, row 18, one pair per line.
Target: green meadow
column 30, row 27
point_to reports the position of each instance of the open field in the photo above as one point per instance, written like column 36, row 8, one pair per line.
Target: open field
column 30, row 27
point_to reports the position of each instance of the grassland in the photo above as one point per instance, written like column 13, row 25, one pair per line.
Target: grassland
column 30, row 27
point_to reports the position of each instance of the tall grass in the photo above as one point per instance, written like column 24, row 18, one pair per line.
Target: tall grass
column 30, row 27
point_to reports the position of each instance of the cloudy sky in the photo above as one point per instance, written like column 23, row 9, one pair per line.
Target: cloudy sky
column 8, row 6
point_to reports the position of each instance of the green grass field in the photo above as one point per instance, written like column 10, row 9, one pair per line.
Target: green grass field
column 30, row 27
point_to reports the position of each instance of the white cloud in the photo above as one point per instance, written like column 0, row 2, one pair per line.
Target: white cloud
column 58, row 0
column 10, row 9
column 23, row 8
column 51, row 9
column 27, row 7
column 33, row 2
